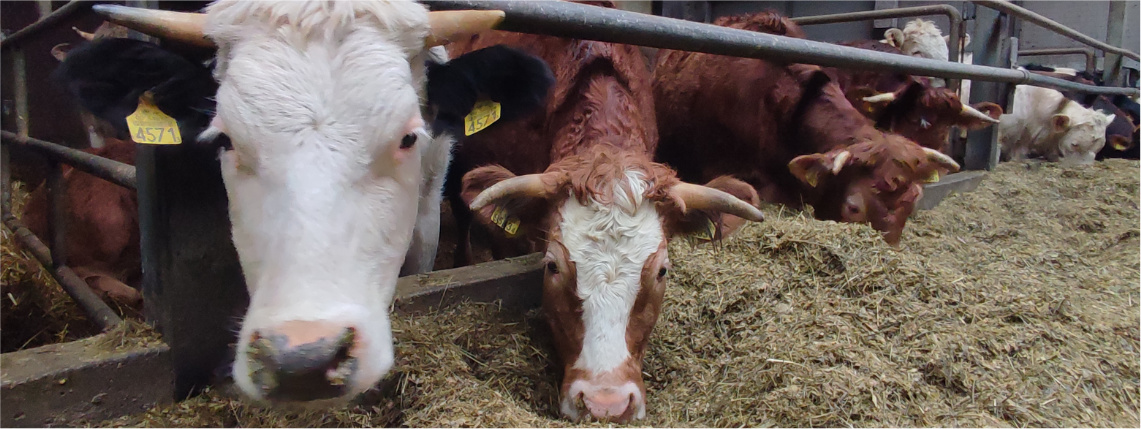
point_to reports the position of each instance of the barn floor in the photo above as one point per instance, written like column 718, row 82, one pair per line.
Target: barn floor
column 1014, row 305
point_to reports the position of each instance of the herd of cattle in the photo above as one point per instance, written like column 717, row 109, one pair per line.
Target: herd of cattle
column 340, row 128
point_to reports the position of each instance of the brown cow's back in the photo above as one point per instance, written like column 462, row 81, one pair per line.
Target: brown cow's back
column 728, row 115
column 102, row 226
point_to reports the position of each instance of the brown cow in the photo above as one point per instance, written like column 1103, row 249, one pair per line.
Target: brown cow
column 910, row 106
column 589, row 195
column 102, row 226
column 102, row 220
column 789, row 131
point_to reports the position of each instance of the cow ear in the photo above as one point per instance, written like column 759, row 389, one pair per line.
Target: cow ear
column 60, row 51
column 895, row 37
column 811, row 169
column 1060, row 123
column 518, row 81
column 1120, row 142
column 512, row 214
column 992, row 110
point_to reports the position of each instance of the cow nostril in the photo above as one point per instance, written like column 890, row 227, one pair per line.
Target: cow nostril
column 300, row 364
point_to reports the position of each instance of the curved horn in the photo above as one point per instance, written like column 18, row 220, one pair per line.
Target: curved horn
column 527, row 185
column 972, row 112
column 840, row 161
column 886, row 97
column 942, row 159
column 182, row 26
column 84, row 34
column 706, row 198
column 452, row 25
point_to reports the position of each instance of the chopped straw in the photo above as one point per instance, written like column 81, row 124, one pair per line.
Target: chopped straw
column 1013, row 305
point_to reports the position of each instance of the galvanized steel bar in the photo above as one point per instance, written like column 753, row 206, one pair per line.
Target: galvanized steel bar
column 617, row 26
column 94, row 306
column 113, row 171
column 63, row 12
column 953, row 16
column 1091, row 60
column 1049, row 24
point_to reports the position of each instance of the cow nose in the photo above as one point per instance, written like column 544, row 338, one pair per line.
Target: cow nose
column 610, row 406
column 302, row 361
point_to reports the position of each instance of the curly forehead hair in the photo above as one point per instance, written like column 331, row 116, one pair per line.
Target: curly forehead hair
column 599, row 171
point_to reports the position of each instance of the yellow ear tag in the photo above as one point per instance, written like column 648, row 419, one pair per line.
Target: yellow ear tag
column 1120, row 146
column 708, row 232
column 811, row 176
column 510, row 224
column 934, row 177
column 483, row 114
column 149, row 125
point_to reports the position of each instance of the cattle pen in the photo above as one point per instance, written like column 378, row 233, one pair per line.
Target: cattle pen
column 193, row 285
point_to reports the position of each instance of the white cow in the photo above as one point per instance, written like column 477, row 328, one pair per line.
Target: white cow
column 1045, row 123
column 334, row 178
column 922, row 38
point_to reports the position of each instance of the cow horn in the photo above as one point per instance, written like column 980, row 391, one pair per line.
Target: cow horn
column 972, row 112
column 700, row 197
column 840, row 161
column 886, row 97
column 452, row 25
column 182, row 26
column 526, row 185
column 84, row 34
column 941, row 158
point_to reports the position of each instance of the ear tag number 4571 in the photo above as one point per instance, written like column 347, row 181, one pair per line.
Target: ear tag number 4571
column 149, row 125
column 483, row 114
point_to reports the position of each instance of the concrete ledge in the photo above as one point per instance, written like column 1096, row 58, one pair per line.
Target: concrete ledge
column 58, row 384
column 934, row 193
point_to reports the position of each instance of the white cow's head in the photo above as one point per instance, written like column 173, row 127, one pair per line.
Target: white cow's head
column 919, row 38
column 322, row 104
column 1080, row 134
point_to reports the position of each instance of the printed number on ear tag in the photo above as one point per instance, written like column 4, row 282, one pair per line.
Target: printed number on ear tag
column 483, row 114
column 149, row 125
column 510, row 224
column 707, row 232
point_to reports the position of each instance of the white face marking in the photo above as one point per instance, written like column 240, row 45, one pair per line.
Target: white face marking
column 323, row 201
column 609, row 244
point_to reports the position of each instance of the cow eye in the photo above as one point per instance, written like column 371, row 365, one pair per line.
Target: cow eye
column 408, row 141
column 662, row 272
column 552, row 267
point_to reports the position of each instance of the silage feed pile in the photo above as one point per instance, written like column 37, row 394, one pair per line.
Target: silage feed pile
column 35, row 310
column 1013, row 305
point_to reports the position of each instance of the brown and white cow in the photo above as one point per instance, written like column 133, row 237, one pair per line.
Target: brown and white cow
column 911, row 106
column 588, row 194
column 789, row 131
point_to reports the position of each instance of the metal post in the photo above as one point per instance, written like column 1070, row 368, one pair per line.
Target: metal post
column 1115, row 34
column 57, row 213
column 991, row 46
column 192, row 282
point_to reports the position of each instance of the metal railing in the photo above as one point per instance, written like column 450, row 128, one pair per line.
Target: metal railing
column 1091, row 59
column 617, row 26
column 1049, row 24
column 54, row 257
column 952, row 14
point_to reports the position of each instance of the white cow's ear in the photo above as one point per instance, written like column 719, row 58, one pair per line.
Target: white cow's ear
column 1060, row 122
column 894, row 37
